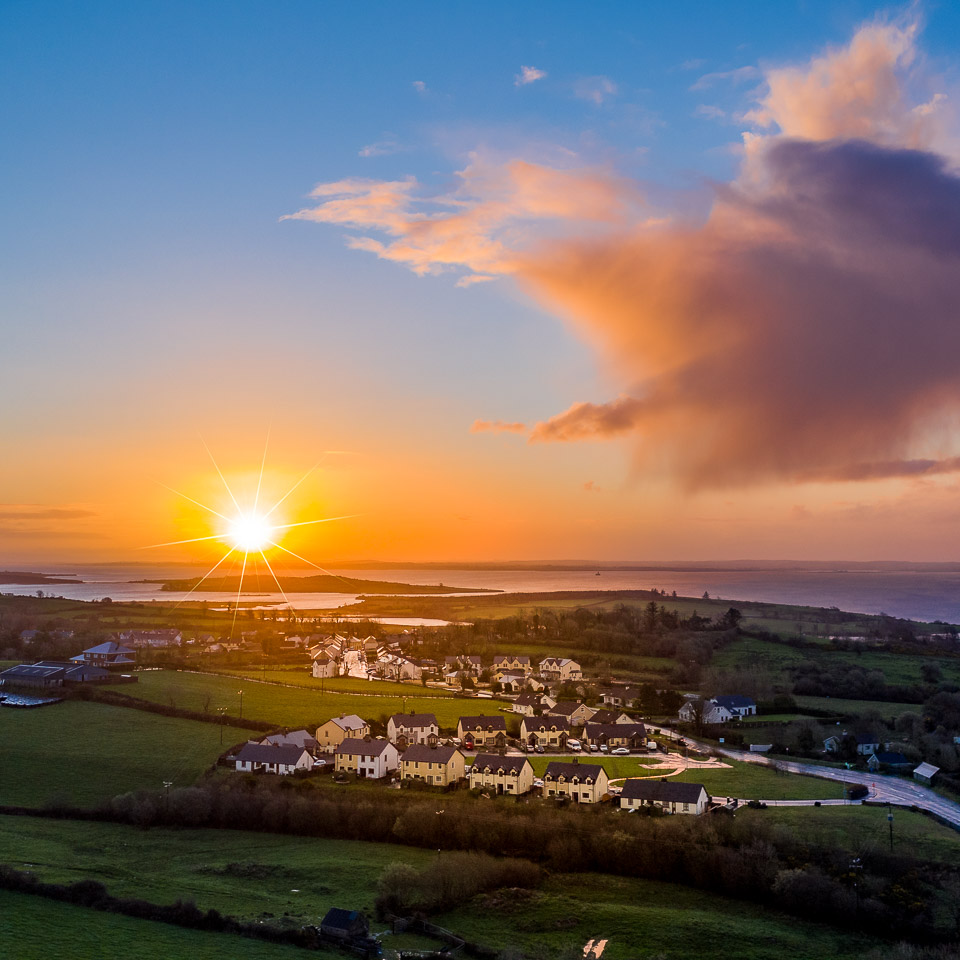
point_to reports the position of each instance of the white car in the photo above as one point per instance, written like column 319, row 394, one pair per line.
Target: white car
column 574, row 745
column 620, row 752
column 538, row 782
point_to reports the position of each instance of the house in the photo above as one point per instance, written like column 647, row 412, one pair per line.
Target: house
column 611, row 716
column 708, row 711
column 925, row 773
column 668, row 795
column 633, row 736
column 737, row 706
column 344, row 925
column 506, row 775
column 463, row 663
column 155, row 639
column 883, row 759
column 867, row 743
column 483, row 731
column 331, row 734
column 393, row 666
column 573, row 710
column 404, row 729
column 273, row 758
column 324, row 667
column 435, row 765
column 296, row 738
column 545, row 731
column 560, row 668
column 109, row 654
column 511, row 682
column 512, row 663
column 620, row 696
column 368, row 758
column 527, row 703
column 33, row 675
column 581, row 782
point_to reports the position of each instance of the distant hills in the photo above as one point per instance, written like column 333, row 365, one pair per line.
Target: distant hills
column 324, row 583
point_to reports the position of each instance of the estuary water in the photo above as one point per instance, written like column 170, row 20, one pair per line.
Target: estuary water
column 918, row 595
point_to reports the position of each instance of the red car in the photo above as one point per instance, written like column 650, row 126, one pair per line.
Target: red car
column 467, row 744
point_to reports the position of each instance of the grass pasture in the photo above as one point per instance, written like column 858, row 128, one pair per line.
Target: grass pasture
column 34, row 928
column 87, row 752
column 856, row 708
column 294, row 706
column 301, row 677
column 616, row 767
column 755, row 781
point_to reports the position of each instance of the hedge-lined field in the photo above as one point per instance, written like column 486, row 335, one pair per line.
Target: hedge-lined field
column 82, row 752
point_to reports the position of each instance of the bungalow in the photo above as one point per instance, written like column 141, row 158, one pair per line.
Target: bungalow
column 295, row 738
column 709, row 711
column 109, row 654
column 581, row 782
column 511, row 682
column 560, row 668
column 925, row 773
column 33, row 675
column 324, row 667
column 738, row 706
column 527, row 703
column 512, row 663
column 575, row 711
column 885, row 760
column 611, row 716
column 331, row 734
column 273, row 758
column 439, row 766
column 545, row 731
column 668, row 795
column 404, row 729
column 620, row 696
column 866, row 743
column 507, row 775
column 483, row 731
column 368, row 758
column 633, row 736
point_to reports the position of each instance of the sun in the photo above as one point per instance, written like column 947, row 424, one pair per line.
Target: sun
column 251, row 532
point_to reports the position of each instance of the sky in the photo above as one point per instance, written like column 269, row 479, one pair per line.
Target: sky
column 511, row 281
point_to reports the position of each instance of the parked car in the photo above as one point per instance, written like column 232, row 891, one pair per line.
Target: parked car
column 456, row 741
column 603, row 748
column 593, row 748
column 467, row 744
column 620, row 752
column 539, row 748
column 538, row 782
column 574, row 745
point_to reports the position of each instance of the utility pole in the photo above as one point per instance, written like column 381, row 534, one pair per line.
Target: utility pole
column 890, row 821
column 167, row 784
column 221, row 711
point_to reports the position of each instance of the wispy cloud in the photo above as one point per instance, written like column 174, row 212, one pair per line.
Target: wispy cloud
column 710, row 112
column 420, row 87
column 740, row 75
column 381, row 148
column 595, row 89
column 33, row 512
column 528, row 75
column 497, row 426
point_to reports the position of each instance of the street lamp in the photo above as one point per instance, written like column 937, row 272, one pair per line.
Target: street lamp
column 241, row 703
column 221, row 711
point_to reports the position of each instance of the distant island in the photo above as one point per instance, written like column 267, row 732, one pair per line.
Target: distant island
column 325, row 583
column 23, row 577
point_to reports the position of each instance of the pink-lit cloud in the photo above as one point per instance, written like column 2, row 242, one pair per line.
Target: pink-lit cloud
column 528, row 75
column 497, row 426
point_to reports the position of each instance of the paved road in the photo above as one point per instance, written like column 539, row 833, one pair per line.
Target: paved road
column 883, row 789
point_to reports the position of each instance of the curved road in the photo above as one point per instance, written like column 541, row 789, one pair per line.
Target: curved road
column 882, row 788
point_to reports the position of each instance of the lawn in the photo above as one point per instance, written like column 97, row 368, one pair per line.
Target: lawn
column 86, row 752
column 34, row 928
column 856, row 708
column 294, row 706
column 863, row 829
column 615, row 766
column 755, row 781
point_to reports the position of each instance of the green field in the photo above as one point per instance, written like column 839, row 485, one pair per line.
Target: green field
column 33, row 928
column 856, row 708
column 87, row 752
column 570, row 909
column 293, row 706
column 245, row 875
column 301, row 677
column 755, row 781
column 645, row 919
column 615, row 766
column 862, row 829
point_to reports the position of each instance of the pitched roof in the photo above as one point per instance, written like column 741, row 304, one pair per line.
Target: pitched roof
column 33, row 671
column 927, row 770
column 298, row 738
column 349, row 722
column 583, row 771
column 734, row 701
column 491, row 761
column 352, row 747
column 567, row 707
column 664, row 791
column 546, row 723
column 502, row 658
column 270, row 753
column 414, row 720
column 484, row 722
column 110, row 647
column 615, row 729
column 340, row 919
column 529, row 700
column 894, row 759
column 422, row 752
